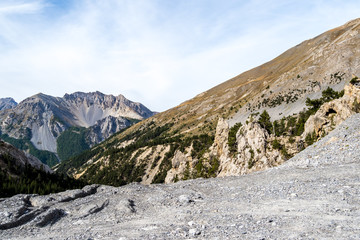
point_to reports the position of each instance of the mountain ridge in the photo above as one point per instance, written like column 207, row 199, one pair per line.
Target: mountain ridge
column 43, row 118
column 7, row 103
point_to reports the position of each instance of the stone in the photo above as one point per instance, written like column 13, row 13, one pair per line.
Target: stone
column 194, row 232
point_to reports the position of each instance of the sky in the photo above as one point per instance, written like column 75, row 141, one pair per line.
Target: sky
column 157, row 52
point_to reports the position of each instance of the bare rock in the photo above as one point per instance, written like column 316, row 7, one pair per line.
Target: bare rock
column 332, row 113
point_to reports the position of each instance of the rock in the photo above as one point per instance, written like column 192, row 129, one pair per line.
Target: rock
column 253, row 150
column 194, row 232
column 220, row 146
column 331, row 114
column 191, row 223
column 49, row 217
column 185, row 199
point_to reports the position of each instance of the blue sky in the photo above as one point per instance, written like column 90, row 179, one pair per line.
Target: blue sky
column 157, row 52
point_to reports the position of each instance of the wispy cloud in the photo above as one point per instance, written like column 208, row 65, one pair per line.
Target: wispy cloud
column 20, row 7
column 157, row 52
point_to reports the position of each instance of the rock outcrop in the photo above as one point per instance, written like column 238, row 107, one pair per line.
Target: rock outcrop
column 106, row 127
column 254, row 148
column 333, row 113
column 254, row 151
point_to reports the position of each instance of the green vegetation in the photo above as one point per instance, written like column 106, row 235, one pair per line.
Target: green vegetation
column 251, row 161
column 354, row 80
column 72, row 142
column 327, row 95
column 310, row 138
column 264, row 121
column 356, row 106
column 294, row 126
column 165, row 165
column 46, row 157
column 30, row 180
column 277, row 145
column 232, row 137
column 122, row 165
column 204, row 168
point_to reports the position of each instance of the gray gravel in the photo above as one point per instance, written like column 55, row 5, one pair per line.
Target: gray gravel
column 315, row 195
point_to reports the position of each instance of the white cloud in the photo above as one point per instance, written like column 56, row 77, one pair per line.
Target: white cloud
column 157, row 52
column 20, row 7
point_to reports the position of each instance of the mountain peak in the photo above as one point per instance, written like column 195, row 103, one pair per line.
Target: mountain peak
column 7, row 103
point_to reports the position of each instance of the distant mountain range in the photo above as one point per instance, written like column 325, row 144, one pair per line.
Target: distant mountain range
column 53, row 127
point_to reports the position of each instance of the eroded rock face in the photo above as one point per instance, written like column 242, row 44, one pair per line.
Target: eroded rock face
column 180, row 164
column 253, row 150
column 106, row 127
column 333, row 113
column 220, row 146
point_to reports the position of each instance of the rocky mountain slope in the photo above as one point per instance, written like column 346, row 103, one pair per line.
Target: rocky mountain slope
column 41, row 119
column 22, row 173
column 7, row 103
column 19, row 158
column 251, row 122
column 312, row 196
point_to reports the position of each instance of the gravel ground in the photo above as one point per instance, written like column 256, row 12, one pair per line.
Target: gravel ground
column 315, row 195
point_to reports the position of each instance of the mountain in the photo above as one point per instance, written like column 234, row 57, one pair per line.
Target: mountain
column 7, row 103
column 21, row 172
column 314, row 195
column 18, row 158
column 251, row 122
column 38, row 121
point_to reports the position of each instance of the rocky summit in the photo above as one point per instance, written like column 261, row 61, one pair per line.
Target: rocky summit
column 7, row 103
column 314, row 195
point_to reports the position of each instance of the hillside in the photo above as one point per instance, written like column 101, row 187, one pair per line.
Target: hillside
column 80, row 120
column 312, row 196
column 22, row 173
column 251, row 122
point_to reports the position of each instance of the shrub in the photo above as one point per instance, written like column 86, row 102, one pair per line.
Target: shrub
column 264, row 121
column 354, row 80
column 232, row 137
